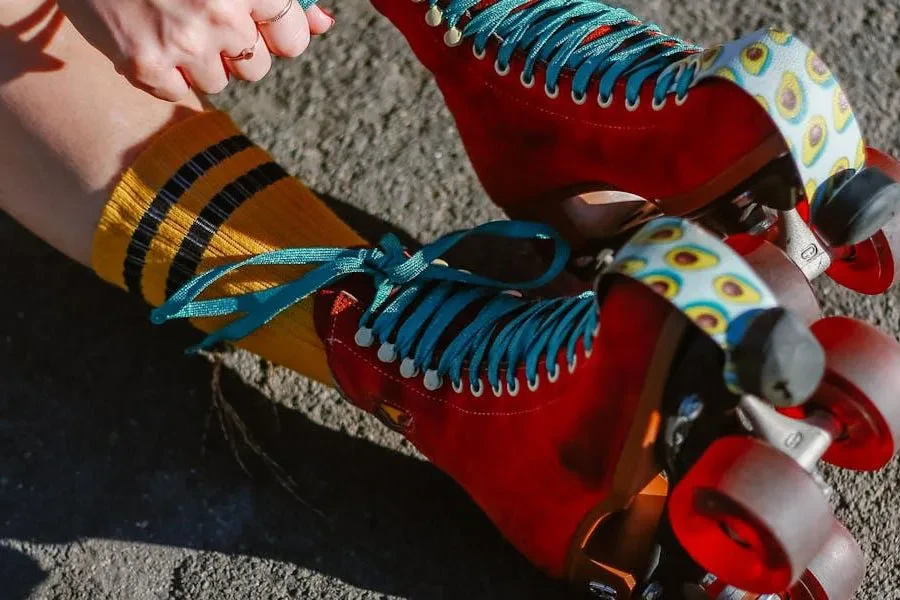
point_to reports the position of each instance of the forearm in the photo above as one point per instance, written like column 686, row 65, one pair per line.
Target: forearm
column 71, row 125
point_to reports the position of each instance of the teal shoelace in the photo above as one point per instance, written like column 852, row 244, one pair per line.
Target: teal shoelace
column 416, row 298
column 558, row 32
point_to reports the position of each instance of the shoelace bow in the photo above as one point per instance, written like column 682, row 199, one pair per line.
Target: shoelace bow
column 415, row 301
column 559, row 34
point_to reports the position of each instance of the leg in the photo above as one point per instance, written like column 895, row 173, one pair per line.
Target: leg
column 146, row 192
column 70, row 128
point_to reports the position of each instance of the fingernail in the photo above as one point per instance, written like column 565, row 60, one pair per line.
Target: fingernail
column 327, row 14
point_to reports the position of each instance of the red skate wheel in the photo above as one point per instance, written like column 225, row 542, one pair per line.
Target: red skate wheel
column 873, row 266
column 785, row 278
column 859, row 390
column 750, row 515
column 887, row 163
column 836, row 573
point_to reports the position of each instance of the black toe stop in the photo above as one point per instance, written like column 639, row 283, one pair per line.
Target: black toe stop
column 859, row 208
column 778, row 359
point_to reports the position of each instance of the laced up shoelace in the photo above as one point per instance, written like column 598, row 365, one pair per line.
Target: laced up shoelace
column 415, row 300
column 560, row 33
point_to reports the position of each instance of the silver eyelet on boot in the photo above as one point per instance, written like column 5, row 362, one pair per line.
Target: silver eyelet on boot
column 479, row 55
column 477, row 391
column 537, row 382
column 579, row 99
column 434, row 16
column 457, row 388
column 453, row 37
column 573, row 364
column 528, row 83
column 501, row 72
column 658, row 106
column 513, row 390
column 432, row 380
column 386, row 353
column 605, row 103
column 552, row 377
column 408, row 368
column 364, row 337
column 552, row 94
column 632, row 107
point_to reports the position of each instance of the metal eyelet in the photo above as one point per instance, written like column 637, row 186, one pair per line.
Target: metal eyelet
column 537, row 381
column 386, row 353
column 513, row 390
column 632, row 107
column 529, row 83
column 364, row 337
column 457, row 388
column 498, row 391
column 579, row 99
column 477, row 392
column 551, row 94
column 552, row 377
column 658, row 106
column 605, row 103
column 501, row 72
column 408, row 368
column 680, row 100
column 453, row 37
column 573, row 364
column 588, row 351
column 481, row 55
column 434, row 16
column 432, row 380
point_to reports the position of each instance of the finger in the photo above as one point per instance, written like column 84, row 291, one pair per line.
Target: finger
column 283, row 26
column 319, row 20
column 251, row 69
column 166, row 83
column 206, row 75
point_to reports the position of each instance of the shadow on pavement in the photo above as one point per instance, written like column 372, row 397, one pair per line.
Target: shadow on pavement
column 106, row 432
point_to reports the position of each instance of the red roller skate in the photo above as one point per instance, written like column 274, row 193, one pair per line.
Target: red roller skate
column 568, row 419
column 559, row 102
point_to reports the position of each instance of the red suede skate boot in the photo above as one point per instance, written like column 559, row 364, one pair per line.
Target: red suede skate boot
column 558, row 422
column 557, row 99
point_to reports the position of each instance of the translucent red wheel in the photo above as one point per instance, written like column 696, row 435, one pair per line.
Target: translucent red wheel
column 836, row 573
column 872, row 266
column 860, row 391
column 750, row 515
column 785, row 278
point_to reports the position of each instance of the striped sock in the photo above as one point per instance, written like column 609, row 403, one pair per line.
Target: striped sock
column 203, row 195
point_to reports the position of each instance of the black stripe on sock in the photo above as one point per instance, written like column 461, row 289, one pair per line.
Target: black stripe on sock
column 220, row 208
column 167, row 197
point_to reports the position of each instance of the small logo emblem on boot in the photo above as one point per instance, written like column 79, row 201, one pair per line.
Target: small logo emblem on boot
column 393, row 417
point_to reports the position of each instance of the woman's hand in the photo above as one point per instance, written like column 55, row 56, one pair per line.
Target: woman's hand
column 166, row 47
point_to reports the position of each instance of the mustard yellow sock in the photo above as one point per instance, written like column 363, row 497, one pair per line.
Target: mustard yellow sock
column 203, row 195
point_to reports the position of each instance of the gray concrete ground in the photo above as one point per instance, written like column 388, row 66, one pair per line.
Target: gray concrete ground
column 115, row 482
